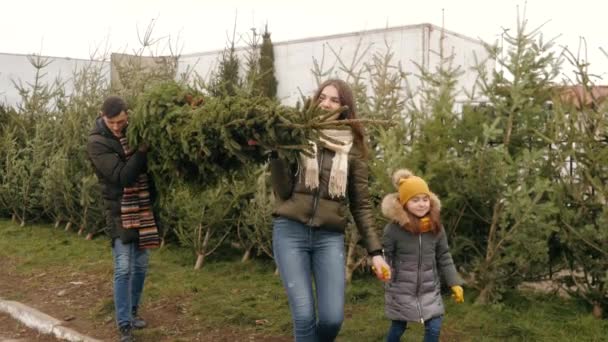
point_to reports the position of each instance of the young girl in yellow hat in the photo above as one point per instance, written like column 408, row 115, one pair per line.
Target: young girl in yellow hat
column 416, row 248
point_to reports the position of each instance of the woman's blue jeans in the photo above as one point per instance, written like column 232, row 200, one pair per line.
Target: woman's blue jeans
column 130, row 266
column 304, row 254
column 432, row 328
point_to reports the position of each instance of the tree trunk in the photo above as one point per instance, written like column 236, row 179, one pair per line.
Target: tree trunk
column 68, row 226
column 351, row 264
column 84, row 221
column 57, row 223
column 201, row 254
column 484, row 272
column 490, row 249
column 89, row 236
column 598, row 311
column 508, row 130
column 484, row 294
column 247, row 254
column 23, row 217
column 349, row 269
column 356, row 265
column 200, row 260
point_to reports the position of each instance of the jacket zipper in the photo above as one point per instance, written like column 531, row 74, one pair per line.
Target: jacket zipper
column 315, row 202
column 418, row 275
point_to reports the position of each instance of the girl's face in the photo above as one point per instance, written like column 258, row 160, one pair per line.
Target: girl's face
column 329, row 100
column 419, row 205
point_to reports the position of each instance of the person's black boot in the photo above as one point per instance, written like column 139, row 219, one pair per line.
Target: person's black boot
column 126, row 334
column 138, row 322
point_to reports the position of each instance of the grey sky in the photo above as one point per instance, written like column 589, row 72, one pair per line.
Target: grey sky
column 74, row 28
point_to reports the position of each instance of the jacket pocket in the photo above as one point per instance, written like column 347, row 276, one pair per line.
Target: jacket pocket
column 435, row 275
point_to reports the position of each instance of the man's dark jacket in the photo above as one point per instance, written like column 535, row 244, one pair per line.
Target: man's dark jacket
column 115, row 173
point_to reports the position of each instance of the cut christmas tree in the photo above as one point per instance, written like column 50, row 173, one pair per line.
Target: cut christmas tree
column 198, row 138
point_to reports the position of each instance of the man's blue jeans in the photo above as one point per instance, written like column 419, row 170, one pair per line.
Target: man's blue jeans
column 302, row 254
column 432, row 328
column 130, row 266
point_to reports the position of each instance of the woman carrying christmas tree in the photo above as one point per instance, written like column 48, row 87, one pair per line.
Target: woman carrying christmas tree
column 312, row 197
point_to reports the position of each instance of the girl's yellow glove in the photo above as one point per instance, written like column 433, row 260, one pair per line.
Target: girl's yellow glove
column 458, row 293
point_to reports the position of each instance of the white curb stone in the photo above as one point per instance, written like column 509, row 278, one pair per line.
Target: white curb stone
column 42, row 322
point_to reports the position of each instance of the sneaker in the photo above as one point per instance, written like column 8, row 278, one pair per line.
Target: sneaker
column 138, row 323
column 126, row 335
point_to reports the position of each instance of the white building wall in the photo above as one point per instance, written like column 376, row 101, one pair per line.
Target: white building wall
column 410, row 45
column 294, row 60
column 19, row 69
column 467, row 52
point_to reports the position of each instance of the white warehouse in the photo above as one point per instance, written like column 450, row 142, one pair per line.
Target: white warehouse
column 411, row 45
column 295, row 60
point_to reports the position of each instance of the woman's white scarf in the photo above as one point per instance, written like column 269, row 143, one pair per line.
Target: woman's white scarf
column 339, row 166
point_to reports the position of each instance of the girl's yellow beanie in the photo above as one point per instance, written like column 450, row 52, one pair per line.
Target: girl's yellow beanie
column 410, row 187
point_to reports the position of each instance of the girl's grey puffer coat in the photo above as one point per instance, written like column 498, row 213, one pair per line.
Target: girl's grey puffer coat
column 416, row 260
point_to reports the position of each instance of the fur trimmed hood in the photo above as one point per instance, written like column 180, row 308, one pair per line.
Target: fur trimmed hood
column 392, row 208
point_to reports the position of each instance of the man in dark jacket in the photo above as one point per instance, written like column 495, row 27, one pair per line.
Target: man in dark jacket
column 128, row 207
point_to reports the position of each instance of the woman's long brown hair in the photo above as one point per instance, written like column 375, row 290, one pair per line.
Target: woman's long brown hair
column 347, row 99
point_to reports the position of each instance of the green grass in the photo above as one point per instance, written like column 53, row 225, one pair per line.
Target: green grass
column 228, row 293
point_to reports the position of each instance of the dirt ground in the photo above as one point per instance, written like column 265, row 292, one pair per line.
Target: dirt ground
column 75, row 298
